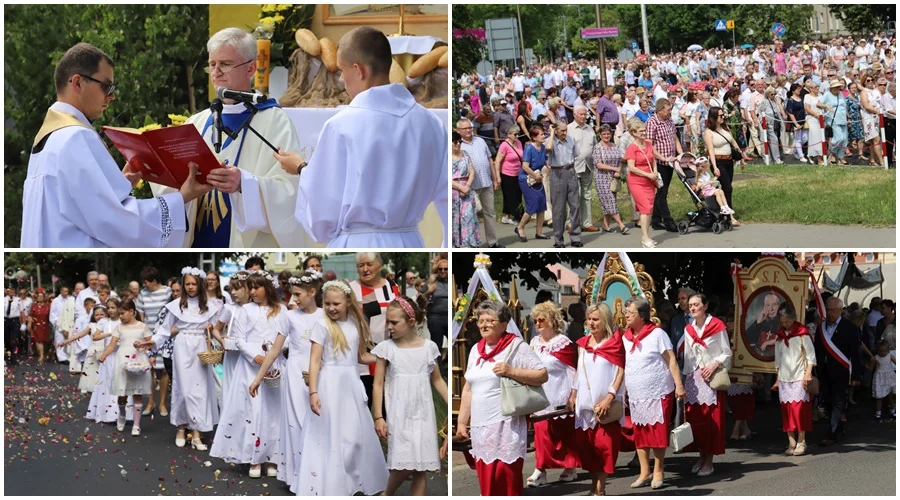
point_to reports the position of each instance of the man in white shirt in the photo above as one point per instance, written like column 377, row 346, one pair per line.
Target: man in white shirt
column 93, row 279
column 540, row 106
column 378, row 163
column 12, row 322
column 62, row 318
column 518, row 84
column 75, row 195
column 547, row 78
column 631, row 104
column 559, row 77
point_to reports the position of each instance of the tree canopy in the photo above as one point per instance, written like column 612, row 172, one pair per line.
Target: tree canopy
column 862, row 18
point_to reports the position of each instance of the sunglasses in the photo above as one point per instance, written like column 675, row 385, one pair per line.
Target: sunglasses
column 442, row 269
column 108, row 88
column 888, row 72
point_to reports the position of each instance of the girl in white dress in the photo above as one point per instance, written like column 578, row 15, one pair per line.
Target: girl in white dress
column 884, row 382
column 295, row 392
column 194, row 402
column 90, row 367
column 103, row 406
column 406, row 364
column 340, row 454
column 240, row 296
column 131, row 375
column 250, row 428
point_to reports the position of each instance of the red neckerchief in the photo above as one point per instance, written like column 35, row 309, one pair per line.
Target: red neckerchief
column 566, row 355
column 797, row 331
column 612, row 349
column 715, row 326
column 636, row 340
column 504, row 342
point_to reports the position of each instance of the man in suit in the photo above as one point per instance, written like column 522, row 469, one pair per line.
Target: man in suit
column 681, row 319
column 836, row 345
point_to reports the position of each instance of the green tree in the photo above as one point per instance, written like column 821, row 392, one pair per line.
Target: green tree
column 159, row 52
column 467, row 50
column 862, row 18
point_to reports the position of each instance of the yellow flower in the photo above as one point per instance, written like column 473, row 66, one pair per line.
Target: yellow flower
column 140, row 184
column 269, row 7
column 278, row 18
column 266, row 20
column 283, row 6
column 177, row 119
column 152, row 126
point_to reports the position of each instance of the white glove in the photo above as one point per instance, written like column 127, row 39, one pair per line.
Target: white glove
column 23, row 328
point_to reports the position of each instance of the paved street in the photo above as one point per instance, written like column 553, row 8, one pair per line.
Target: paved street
column 864, row 463
column 71, row 456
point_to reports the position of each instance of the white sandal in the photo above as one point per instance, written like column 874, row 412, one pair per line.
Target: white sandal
column 538, row 478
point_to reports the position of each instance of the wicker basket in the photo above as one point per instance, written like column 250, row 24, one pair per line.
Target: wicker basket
column 272, row 379
column 209, row 356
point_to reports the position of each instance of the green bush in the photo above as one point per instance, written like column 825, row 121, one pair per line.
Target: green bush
column 159, row 53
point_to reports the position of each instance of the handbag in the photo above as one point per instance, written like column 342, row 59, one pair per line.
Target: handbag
column 516, row 398
column 615, row 185
column 812, row 387
column 659, row 182
column 720, row 380
column 682, row 435
column 736, row 154
column 829, row 129
column 615, row 412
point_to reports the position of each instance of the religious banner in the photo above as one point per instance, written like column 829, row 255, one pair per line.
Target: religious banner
column 615, row 281
column 759, row 292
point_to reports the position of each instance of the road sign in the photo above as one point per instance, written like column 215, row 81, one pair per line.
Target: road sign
column 720, row 25
column 594, row 33
column 778, row 29
column 730, row 24
column 634, row 45
column 502, row 39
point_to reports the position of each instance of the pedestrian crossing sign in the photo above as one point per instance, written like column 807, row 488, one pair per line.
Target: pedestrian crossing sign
column 720, row 25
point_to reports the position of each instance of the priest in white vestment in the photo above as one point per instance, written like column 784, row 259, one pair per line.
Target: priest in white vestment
column 75, row 195
column 378, row 163
column 253, row 200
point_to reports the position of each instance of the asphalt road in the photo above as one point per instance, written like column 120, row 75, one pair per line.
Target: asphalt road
column 73, row 456
column 863, row 463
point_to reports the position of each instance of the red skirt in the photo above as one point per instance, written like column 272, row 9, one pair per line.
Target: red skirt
column 499, row 478
column 555, row 444
column 707, row 425
column 599, row 447
column 656, row 435
column 796, row 416
column 627, row 433
column 743, row 406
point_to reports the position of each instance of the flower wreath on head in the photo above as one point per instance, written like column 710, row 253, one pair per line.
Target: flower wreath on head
column 340, row 285
column 192, row 271
column 240, row 277
column 265, row 274
column 300, row 280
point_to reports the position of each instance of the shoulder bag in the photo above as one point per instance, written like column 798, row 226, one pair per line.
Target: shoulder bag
column 659, row 182
column 615, row 411
column 829, row 129
column 518, row 399
column 736, row 154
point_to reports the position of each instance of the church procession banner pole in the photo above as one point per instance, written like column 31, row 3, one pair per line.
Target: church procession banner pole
column 481, row 276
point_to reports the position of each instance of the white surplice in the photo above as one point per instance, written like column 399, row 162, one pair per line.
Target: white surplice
column 262, row 209
column 377, row 166
column 62, row 318
column 75, row 196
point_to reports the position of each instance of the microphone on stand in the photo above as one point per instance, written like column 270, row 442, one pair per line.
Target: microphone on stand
column 237, row 95
column 216, row 107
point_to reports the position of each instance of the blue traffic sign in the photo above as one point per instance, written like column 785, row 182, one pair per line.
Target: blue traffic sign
column 720, row 25
column 634, row 45
column 779, row 29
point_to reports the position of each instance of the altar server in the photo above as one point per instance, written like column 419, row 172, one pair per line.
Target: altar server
column 62, row 317
column 253, row 198
column 75, row 195
column 378, row 163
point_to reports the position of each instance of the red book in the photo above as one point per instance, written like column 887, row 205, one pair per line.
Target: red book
column 164, row 153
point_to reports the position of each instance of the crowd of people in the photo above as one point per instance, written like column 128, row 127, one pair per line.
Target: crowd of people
column 613, row 384
column 818, row 101
column 286, row 372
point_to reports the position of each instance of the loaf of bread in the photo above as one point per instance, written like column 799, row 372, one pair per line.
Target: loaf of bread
column 444, row 60
column 427, row 63
column 397, row 74
column 307, row 41
column 329, row 54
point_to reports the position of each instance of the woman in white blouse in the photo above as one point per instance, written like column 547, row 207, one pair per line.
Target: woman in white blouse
column 706, row 349
column 651, row 377
column 795, row 357
column 601, row 373
column 498, row 442
column 555, row 446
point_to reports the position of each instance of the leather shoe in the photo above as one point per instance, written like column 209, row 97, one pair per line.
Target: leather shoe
column 577, row 244
column 658, row 226
column 497, row 245
column 559, row 245
column 591, row 229
column 671, row 227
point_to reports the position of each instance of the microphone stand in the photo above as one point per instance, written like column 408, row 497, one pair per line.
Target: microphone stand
column 246, row 125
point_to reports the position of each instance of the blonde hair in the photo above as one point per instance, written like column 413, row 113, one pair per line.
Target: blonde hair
column 634, row 124
column 605, row 317
column 354, row 312
column 552, row 314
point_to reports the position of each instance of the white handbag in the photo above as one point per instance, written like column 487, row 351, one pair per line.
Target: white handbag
column 516, row 398
column 682, row 435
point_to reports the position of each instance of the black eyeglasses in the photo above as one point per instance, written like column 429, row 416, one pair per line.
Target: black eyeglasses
column 108, row 88
column 442, row 269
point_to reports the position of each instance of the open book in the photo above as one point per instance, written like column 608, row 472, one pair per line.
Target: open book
column 164, row 154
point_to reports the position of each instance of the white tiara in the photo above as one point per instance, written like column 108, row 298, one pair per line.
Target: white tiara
column 315, row 274
column 299, row 280
column 191, row 270
column 340, row 285
column 265, row 274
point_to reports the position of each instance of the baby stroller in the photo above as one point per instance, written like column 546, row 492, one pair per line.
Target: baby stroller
column 708, row 213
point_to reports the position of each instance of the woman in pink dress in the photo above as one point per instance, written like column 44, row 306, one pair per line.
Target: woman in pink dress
column 653, row 382
column 780, row 63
